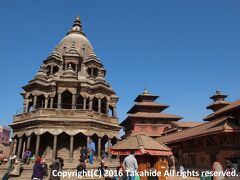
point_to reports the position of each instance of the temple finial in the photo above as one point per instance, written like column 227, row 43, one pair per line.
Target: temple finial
column 218, row 92
column 145, row 92
column 77, row 26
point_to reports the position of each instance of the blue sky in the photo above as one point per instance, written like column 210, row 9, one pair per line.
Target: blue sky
column 181, row 50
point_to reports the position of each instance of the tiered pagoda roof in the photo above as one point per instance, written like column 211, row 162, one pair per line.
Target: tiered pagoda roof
column 218, row 101
column 146, row 116
column 145, row 108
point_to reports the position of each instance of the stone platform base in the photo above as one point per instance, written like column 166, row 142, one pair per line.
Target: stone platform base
column 68, row 166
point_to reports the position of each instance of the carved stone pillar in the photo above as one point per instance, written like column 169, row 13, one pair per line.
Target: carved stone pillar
column 26, row 105
column 99, row 147
column 88, row 139
column 11, row 147
column 34, row 102
column 19, row 148
column 51, row 70
column 109, row 141
column 99, row 105
column 23, row 148
column 84, row 103
column 54, row 146
column 71, row 148
column 114, row 112
column 51, row 102
column 28, row 142
column 59, row 100
column 90, row 104
column 46, row 103
column 74, row 101
column 37, row 145
column 107, row 108
column 14, row 146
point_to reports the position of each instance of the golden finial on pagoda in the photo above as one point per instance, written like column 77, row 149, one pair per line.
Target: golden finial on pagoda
column 218, row 92
column 145, row 92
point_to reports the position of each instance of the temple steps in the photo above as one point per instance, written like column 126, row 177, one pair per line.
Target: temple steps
column 68, row 166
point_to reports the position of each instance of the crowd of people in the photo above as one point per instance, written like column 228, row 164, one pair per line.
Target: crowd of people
column 41, row 169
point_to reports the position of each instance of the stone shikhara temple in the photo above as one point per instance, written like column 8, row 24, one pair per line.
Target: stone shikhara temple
column 67, row 103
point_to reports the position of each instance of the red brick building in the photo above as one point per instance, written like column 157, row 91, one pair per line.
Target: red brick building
column 5, row 135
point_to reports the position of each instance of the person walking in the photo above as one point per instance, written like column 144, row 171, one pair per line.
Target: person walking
column 130, row 165
column 81, row 168
column 91, row 150
column 55, row 166
column 83, row 153
column 45, row 168
column 37, row 170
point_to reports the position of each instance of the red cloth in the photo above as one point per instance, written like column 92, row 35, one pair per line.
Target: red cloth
column 38, row 159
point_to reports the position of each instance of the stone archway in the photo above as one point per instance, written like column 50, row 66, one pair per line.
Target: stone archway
column 66, row 100
column 33, row 143
column 46, row 148
column 104, row 105
column 30, row 103
column 63, row 141
column 40, row 101
column 80, row 101
column 80, row 140
column 95, row 104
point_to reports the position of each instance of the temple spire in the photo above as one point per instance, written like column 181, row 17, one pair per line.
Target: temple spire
column 218, row 101
column 145, row 92
column 76, row 27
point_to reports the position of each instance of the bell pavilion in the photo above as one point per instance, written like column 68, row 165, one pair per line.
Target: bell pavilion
column 66, row 103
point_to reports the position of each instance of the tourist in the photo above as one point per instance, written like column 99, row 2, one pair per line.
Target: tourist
column 45, row 168
column 32, row 158
column 83, row 153
column 121, row 175
column 14, row 170
column 104, row 155
column 91, row 150
column 61, row 163
column 55, row 166
column 81, row 168
column 102, row 168
column 26, row 156
column 37, row 170
column 11, row 161
column 181, row 169
column 130, row 165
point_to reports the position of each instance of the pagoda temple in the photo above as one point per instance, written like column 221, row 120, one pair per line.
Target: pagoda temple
column 217, row 139
column 146, row 116
column 66, row 103
column 218, row 101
